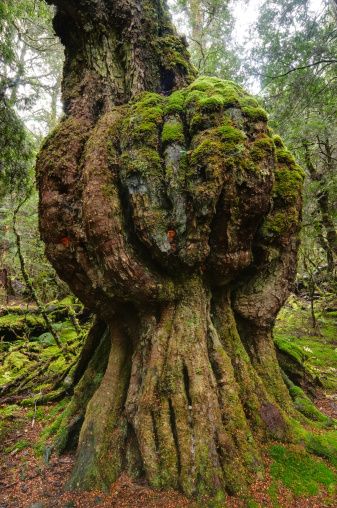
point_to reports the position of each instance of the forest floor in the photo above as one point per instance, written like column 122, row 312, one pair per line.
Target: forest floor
column 32, row 477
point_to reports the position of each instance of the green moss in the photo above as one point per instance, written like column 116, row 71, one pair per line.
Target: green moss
column 213, row 84
column 19, row 445
column 15, row 364
column 20, row 322
column 299, row 472
column 208, row 95
column 324, row 445
column 251, row 503
column 8, row 418
column 194, row 97
column 175, row 103
column 217, row 115
column 58, row 365
column 279, row 222
column 273, row 492
column 249, row 165
column 48, row 432
column 205, row 149
column 173, row 132
column 277, row 140
column 249, row 102
column 204, row 83
column 145, row 116
column 288, row 184
column 202, row 105
column 9, row 411
column 262, row 148
column 39, row 413
column 229, row 133
column 197, row 123
column 289, row 176
column 173, row 54
column 255, row 114
column 212, row 94
column 147, row 100
column 214, row 102
column 306, row 407
column 150, row 114
column 294, row 327
column 15, row 361
column 144, row 160
column 284, row 156
column 292, row 349
column 146, row 127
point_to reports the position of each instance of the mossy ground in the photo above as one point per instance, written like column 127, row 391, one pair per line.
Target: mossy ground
column 20, row 357
column 32, row 365
column 315, row 348
column 296, row 472
column 300, row 472
column 292, row 476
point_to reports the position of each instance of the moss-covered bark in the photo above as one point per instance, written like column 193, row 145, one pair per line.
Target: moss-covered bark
column 175, row 218
column 183, row 406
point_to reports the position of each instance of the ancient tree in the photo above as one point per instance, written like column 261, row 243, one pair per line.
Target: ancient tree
column 172, row 211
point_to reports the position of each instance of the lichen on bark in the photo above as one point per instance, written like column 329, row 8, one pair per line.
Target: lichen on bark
column 182, row 213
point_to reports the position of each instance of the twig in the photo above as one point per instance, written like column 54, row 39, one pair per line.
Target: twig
column 34, row 415
column 302, row 67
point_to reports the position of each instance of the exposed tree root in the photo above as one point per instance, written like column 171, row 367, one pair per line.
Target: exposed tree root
column 182, row 405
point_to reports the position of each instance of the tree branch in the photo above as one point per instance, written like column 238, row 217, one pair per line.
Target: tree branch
column 302, row 67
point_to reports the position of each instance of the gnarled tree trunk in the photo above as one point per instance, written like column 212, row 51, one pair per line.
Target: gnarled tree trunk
column 171, row 210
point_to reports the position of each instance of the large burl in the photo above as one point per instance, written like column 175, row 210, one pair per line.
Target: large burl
column 174, row 217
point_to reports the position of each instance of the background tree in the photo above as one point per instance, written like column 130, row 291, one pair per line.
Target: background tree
column 296, row 62
column 30, row 75
column 209, row 26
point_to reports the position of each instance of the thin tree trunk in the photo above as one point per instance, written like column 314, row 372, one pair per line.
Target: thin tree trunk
column 197, row 36
column 323, row 200
column 28, row 281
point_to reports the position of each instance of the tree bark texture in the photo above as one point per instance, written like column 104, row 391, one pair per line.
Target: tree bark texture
column 172, row 211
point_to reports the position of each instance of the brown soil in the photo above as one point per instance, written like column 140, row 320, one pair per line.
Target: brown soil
column 327, row 404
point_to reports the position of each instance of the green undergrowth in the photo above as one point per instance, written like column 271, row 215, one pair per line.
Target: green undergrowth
column 22, row 357
column 19, row 445
column 19, row 325
column 53, row 422
column 316, row 440
column 305, row 406
column 8, row 414
column 315, row 349
column 33, row 364
column 301, row 473
column 25, row 322
column 13, row 417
